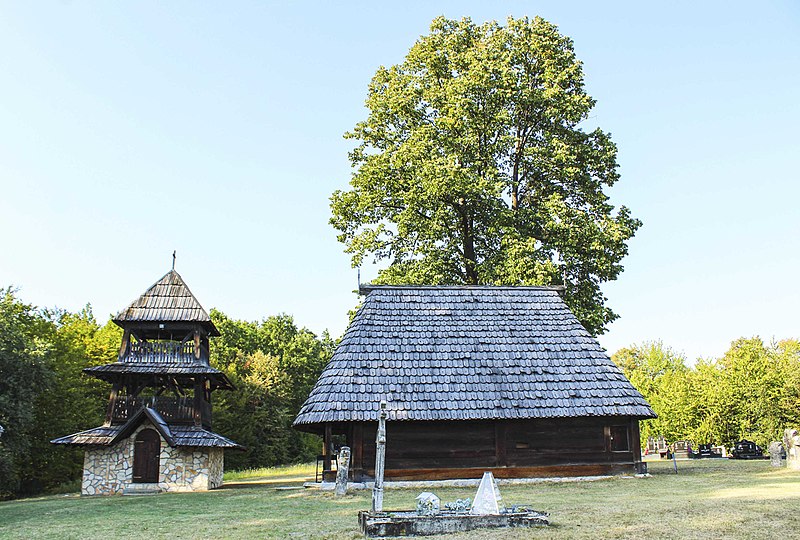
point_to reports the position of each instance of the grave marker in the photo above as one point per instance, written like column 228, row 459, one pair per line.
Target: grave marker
column 342, row 470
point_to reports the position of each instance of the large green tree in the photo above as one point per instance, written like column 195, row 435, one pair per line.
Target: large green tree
column 43, row 392
column 273, row 364
column 661, row 375
column 472, row 168
column 751, row 392
column 23, row 375
column 73, row 401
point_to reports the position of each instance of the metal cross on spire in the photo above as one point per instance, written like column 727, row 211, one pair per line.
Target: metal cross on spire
column 173, row 259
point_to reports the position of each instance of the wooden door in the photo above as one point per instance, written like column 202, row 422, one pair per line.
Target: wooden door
column 146, row 456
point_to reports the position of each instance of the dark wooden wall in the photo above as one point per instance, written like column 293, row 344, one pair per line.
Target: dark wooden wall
column 510, row 449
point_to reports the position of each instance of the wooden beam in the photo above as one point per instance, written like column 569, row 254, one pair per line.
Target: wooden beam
column 198, row 401
column 137, row 389
column 125, row 345
column 112, row 401
column 326, row 448
column 197, row 344
column 634, row 442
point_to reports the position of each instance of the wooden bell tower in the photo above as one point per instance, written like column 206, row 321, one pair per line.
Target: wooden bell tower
column 161, row 390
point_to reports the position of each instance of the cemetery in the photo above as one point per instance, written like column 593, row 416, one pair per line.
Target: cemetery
column 745, row 499
column 488, row 378
column 443, row 490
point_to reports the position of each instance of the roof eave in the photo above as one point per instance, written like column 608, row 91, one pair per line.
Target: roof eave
column 366, row 288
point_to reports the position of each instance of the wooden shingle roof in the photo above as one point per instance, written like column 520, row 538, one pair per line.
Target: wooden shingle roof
column 176, row 435
column 167, row 300
column 465, row 353
column 112, row 372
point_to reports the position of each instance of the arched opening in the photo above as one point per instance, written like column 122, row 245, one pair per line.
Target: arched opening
column 146, row 456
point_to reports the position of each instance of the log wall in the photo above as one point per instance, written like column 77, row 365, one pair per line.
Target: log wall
column 509, row 448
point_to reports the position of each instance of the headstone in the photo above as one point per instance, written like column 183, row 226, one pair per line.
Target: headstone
column 342, row 470
column 380, row 460
column 775, row 451
column 487, row 499
column 427, row 504
column 791, row 442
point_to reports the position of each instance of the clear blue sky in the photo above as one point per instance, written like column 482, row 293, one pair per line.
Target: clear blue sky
column 131, row 129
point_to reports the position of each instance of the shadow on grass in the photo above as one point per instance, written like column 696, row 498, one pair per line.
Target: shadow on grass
column 275, row 481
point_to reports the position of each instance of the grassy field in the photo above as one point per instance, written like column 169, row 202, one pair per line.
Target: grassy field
column 706, row 499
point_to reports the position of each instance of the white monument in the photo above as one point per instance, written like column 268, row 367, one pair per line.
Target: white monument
column 428, row 504
column 487, row 499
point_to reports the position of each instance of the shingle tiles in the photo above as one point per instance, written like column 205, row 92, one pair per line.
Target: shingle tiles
column 167, row 300
column 450, row 353
column 182, row 435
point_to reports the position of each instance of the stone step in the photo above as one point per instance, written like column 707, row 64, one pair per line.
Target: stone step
column 142, row 489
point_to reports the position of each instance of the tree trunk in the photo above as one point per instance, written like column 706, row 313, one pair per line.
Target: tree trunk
column 515, row 172
column 470, row 262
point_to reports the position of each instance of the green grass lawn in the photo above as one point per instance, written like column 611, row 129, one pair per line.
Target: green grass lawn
column 706, row 499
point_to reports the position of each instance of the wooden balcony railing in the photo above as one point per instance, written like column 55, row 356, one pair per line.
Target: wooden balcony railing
column 157, row 352
column 172, row 409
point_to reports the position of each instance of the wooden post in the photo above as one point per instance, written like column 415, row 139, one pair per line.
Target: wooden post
column 198, row 401
column 380, row 461
column 197, row 344
column 112, row 402
column 207, row 405
column 326, row 451
column 126, row 341
column 636, row 446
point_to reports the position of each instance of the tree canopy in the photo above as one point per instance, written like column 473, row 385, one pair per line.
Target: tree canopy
column 751, row 392
column 273, row 364
column 472, row 168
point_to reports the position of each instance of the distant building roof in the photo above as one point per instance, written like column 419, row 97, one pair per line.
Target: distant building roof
column 167, row 300
column 467, row 353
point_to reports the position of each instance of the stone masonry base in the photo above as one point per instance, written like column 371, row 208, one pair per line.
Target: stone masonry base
column 109, row 470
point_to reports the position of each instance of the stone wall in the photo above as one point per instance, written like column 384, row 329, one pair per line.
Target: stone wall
column 190, row 469
column 109, row 470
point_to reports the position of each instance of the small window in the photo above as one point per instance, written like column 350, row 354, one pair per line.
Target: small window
column 619, row 439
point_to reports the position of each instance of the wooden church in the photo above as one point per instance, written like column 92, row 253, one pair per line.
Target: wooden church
column 501, row 379
column 157, row 434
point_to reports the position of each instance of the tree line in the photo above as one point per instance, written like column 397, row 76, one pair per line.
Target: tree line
column 752, row 392
column 44, row 394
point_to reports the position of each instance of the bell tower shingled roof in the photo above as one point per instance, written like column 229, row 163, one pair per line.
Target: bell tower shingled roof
column 169, row 300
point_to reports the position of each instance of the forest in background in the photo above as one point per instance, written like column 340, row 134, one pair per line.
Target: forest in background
column 752, row 392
